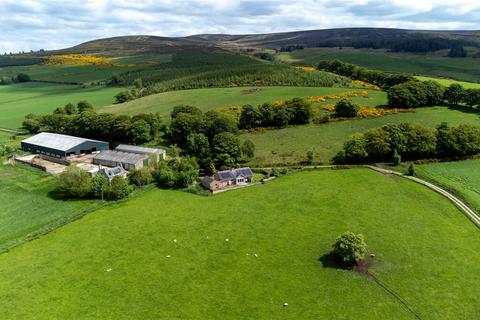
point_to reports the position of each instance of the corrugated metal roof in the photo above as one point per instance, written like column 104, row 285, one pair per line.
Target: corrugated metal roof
column 120, row 157
column 57, row 141
column 137, row 149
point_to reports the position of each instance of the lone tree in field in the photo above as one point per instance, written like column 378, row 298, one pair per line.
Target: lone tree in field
column 346, row 109
column 349, row 248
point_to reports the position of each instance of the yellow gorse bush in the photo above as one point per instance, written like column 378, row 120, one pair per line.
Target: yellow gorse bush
column 367, row 85
column 343, row 95
column 366, row 112
column 306, row 68
column 83, row 59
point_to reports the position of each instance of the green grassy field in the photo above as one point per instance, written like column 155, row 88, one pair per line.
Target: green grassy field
column 447, row 82
column 21, row 99
column 207, row 99
column 27, row 205
column 423, row 245
column 85, row 73
column 462, row 177
column 467, row 69
column 290, row 145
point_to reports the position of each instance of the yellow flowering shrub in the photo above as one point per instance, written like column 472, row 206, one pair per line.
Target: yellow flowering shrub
column 343, row 95
column 330, row 107
column 367, row 85
column 306, row 68
column 81, row 59
column 366, row 112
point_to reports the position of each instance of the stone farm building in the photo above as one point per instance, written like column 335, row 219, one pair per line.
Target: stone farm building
column 55, row 146
column 129, row 157
column 228, row 178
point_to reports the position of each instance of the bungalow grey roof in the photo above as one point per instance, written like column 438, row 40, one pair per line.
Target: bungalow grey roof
column 113, row 172
column 57, row 141
column 137, row 149
column 120, row 157
column 232, row 174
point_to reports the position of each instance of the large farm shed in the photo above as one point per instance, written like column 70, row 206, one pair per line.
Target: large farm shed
column 129, row 157
column 153, row 152
column 127, row 160
column 61, row 146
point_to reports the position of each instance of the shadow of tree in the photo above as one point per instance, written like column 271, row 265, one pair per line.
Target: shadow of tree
column 329, row 260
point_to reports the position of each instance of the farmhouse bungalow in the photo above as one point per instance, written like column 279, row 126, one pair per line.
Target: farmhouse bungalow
column 228, row 178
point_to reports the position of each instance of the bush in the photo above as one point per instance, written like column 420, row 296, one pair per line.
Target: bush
column 248, row 149
column 118, row 189
column 349, row 248
column 75, row 182
column 346, row 109
column 411, row 170
column 177, row 173
column 22, row 77
column 354, row 150
column 99, row 185
column 123, row 96
column 310, row 156
column 140, row 177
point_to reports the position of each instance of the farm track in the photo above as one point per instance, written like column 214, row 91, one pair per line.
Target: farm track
column 471, row 214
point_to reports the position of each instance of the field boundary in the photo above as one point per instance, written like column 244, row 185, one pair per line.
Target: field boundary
column 469, row 212
column 13, row 131
column 54, row 225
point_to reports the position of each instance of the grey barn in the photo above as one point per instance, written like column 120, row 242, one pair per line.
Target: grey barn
column 60, row 146
column 155, row 153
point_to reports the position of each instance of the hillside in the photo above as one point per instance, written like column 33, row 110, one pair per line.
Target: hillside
column 376, row 38
column 349, row 37
column 139, row 45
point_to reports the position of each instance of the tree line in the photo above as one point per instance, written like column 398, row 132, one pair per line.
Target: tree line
column 82, row 120
column 291, row 112
column 412, row 142
column 395, row 44
column 382, row 79
column 414, row 93
column 405, row 91
column 21, row 77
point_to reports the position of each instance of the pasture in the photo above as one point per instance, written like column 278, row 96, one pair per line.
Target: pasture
column 461, row 177
column 20, row 99
column 447, row 82
column 245, row 261
column 218, row 98
column 29, row 206
column 466, row 69
column 68, row 73
column 290, row 145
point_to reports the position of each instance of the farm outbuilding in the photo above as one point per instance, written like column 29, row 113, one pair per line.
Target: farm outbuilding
column 60, row 146
column 153, row 153
column 126, row 160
